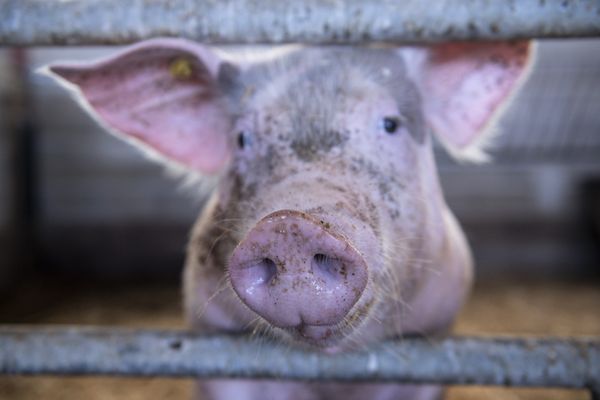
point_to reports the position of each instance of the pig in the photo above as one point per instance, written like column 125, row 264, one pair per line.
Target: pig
column 326, row 228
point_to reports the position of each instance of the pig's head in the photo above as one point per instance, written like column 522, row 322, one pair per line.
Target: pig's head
column 329, row 216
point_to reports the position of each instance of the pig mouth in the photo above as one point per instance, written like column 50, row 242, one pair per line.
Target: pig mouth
column 316, row 333
column 315, row 336
column 328, row 338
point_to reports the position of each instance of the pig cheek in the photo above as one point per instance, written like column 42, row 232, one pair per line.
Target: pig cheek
column 411, row 255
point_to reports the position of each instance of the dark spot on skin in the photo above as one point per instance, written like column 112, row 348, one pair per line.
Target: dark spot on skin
column 273, row 159
column 316, row 210
column 312, row 145
column 338, row 188
column 339, row 206
column 498, row 60
column 240, row 188
column 372, row 209
column 281, row 266
column 175, row 345
column 384, row 188
column 326, row 225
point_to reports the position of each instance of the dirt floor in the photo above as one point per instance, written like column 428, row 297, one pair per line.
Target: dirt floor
column 501, row 308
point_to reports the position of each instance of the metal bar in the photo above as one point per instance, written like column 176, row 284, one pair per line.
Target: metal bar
column 57, row 22
column 553, row 362
column 24, row 137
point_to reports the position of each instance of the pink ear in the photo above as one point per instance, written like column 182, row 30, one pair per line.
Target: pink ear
column 161, row 93
column 464, row 86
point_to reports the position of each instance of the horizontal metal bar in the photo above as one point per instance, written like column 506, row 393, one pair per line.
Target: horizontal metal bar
column 553, row 362
column 57, row 22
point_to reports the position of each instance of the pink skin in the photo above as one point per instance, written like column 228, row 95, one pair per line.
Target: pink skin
column 332, row 252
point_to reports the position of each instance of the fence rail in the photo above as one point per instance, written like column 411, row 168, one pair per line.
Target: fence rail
column 56, row 22
column 551, row 362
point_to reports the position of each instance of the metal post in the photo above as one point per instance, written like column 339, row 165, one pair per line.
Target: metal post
column 55, row 22
column 552, row 362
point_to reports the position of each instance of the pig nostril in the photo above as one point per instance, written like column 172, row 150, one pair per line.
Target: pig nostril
column 331, row 267
column 267, row 269
column 321, row 259
column 260, row 272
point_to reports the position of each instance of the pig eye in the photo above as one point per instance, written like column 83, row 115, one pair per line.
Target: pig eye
column 391, row 124
column 243, row 139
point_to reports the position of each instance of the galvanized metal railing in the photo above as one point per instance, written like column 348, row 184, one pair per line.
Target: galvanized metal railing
column 34, row 22
column 549, row 362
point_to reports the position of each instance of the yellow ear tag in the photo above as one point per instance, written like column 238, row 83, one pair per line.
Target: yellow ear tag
column 181, row 68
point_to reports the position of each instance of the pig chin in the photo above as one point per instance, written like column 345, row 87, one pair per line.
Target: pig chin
column 307, row 277
column 327, row 338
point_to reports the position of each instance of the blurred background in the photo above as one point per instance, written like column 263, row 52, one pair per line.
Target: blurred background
column 91, row 232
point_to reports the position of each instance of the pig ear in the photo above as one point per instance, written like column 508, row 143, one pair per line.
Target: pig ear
column 465, row 87
column 161, row 94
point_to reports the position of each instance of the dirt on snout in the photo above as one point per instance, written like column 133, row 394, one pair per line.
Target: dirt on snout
column 499, row 308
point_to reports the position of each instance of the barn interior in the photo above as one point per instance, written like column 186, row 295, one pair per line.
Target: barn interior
column 93, row 233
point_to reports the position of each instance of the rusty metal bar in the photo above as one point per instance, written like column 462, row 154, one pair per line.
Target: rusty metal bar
column 88, row 22
column 552, row 362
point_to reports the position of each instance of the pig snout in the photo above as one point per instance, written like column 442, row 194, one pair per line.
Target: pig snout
column 293, row 270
